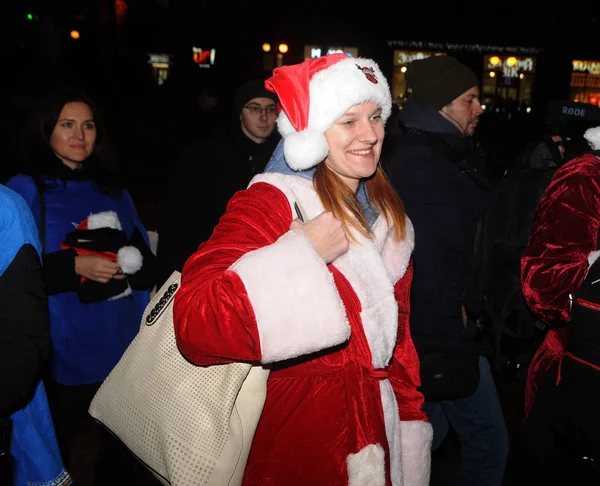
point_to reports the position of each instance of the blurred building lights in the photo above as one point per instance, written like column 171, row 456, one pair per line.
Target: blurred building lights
column 403, row 69
column 511, row 61
column 494, row 60
column 75, row 34
column 283, row 48
column 492, row 74
column 266, row 47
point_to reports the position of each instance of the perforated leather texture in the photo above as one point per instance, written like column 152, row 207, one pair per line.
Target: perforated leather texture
column 190, row 425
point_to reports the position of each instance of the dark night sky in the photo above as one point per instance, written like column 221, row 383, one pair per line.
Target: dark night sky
column 38, row 54
column 238, row 28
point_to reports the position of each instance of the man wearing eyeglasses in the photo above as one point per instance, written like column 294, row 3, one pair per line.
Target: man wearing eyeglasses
column 220, row 163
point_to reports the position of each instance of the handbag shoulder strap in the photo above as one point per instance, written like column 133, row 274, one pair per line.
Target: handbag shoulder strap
column 300, row 212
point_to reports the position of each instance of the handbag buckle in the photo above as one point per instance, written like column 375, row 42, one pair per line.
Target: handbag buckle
column 161, row 304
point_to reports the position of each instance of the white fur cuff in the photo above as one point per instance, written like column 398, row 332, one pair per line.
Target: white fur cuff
column 416, row 452
column 367, row 466
column 294, row 298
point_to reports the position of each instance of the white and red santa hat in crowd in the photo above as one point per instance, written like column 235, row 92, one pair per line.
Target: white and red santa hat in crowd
column 128, row 257
column 592, row 135
column 315, row 93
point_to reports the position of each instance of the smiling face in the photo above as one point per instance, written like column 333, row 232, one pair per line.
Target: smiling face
column 74, row 135
column 355, row 141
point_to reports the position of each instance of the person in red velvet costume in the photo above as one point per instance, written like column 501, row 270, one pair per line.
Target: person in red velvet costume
column 562, row 246
column 309, row 273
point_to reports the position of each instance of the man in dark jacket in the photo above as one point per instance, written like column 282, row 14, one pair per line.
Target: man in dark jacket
column 439, row 173
column 221, row 163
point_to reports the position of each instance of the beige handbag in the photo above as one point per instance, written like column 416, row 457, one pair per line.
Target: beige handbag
column 190, row 425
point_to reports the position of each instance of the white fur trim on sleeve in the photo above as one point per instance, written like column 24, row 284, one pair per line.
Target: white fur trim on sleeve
column 130, row 259
column 416, row 452
column 297, row 307
column 105, row 219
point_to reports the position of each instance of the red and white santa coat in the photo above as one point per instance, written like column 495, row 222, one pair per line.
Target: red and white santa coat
column 562, row 246
column 342, row 404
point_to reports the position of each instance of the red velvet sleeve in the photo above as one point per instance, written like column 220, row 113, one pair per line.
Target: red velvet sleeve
column 563, row 235
column 214, row 319
column 404, row 369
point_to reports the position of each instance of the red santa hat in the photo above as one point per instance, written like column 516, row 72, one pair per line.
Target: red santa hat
column 105, row 219
column 128, row 257
column 315, row 93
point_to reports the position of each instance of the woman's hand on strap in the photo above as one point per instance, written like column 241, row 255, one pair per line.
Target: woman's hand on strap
column 326, row 234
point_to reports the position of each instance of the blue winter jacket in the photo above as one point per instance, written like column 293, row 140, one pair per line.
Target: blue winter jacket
column 34, row 449
column 87, row 340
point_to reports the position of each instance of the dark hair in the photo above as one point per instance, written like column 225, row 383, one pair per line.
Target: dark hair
column 39, row 160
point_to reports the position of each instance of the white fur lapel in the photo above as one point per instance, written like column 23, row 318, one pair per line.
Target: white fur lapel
column 395, row 253
column 386, row 258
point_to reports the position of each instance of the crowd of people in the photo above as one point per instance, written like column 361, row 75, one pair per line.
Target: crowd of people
column 320, row 232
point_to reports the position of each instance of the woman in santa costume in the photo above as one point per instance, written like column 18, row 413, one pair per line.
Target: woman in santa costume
column 309, row 273
column 562, row 247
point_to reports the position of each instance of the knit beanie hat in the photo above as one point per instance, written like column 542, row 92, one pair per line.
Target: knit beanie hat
column 439, row 80
column 315, row 93
column 253, row 88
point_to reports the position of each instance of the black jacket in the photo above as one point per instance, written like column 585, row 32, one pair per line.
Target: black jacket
column 208, row 174
column 440, row 176
column 24, row 330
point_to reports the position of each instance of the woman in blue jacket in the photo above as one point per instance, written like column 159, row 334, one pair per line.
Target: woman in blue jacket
column 97, row 267
column 29, row 451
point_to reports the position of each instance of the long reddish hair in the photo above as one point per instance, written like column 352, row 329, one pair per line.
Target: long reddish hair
column 340, row 200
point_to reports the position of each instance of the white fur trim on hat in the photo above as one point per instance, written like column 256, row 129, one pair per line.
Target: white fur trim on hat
column 105, row 219
column 592, row 135
column 130, row 259
column 333, row 91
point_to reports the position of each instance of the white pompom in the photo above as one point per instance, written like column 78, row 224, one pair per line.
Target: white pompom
column 592, row 135
column 305, row 149
column 130, row 259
